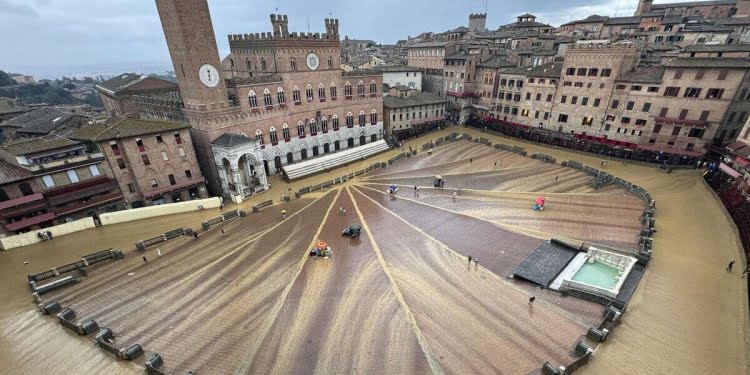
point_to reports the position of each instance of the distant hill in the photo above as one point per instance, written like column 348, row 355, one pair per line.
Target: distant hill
column 5, row 79
column 50, row 92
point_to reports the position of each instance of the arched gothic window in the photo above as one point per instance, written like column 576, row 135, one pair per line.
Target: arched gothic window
column 253, row 99
column 333, row 91
column 300, row 129
column 373, row 88
column 362, row 118
column 330, row 62
column 313, row 126
column 267, row 98
column 292, row 64
column 321, row 91
column 347, row 89
column 361, row 88
column 263, row 64
column 296, row 95
column 309, row 93
column 285, row 132
column 373, row 117
column 324, row 124
column 272, row 135
column 259, row 136
column 280, row 96
column 349, row 119
column 335, row 122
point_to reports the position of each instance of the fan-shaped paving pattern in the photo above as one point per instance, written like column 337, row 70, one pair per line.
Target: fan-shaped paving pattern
column 400, row 299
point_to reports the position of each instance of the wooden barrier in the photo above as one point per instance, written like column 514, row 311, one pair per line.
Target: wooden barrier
column 142, row 245
column 261, row 205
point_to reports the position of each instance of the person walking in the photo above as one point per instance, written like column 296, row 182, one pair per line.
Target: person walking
column 556, row 178
column 158, row 252
column 471, row 160
column 222, row 230
column 476, row 262
column 459, row 191
column 469, row 259
column 531, row 300
column 729, row 267
column 144, row 259
column 496, row 163
column 195, row 235
column 454, row 196
column 283, row 216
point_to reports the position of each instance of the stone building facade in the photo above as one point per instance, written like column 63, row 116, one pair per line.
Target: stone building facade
column 52, row 180
column 285, row 90
column 153, row 161
column 412, row 113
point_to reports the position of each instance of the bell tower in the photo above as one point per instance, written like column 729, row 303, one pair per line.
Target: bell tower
column 192, row 46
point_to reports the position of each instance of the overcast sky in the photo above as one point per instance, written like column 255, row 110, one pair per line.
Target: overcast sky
column 52, row 37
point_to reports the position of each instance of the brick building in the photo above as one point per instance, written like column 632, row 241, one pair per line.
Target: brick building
column 285, row 90
column 50, row 180
column 153, row 161
column 118, row 93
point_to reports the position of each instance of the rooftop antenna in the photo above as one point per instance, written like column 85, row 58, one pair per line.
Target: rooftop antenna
column 308, row 24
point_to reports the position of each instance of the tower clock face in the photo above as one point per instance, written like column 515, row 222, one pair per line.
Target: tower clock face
column 209, row 75
column 313, row 62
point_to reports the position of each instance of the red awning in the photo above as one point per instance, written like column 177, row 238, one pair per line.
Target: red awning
column 728, row 170
column 742, row 161
column 21, row 200
column 12, row 227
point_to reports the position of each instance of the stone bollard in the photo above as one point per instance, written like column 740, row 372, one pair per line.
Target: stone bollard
column 37, row 299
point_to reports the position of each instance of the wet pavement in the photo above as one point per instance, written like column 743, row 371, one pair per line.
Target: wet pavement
column 402, row 298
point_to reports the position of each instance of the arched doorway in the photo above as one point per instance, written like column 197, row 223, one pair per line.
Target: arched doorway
column 336, row 146
column 373, row 138
column 25, row 189
column 362, row 140
column 265, row 167
column 289, row 158
column 315, row 151
column 350, row 142
column 326, row 148
column 277, row 162
column 304, row 154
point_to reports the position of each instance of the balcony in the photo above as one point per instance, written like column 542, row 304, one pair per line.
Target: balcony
column 427, row 120
column 677, row 121
column 80, row 190
column 25, row 223
column 97, row 201
column 178, row 186
column 68, row 162
column 21, row 200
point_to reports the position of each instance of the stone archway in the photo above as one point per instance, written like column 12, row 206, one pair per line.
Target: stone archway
column 373, row 138
column 362, row 140
column 315, row 151
column 303, row 154
column 337, row 145
column 326, row 148
column 350, row 142
column 277, row 162
column 289, row 158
